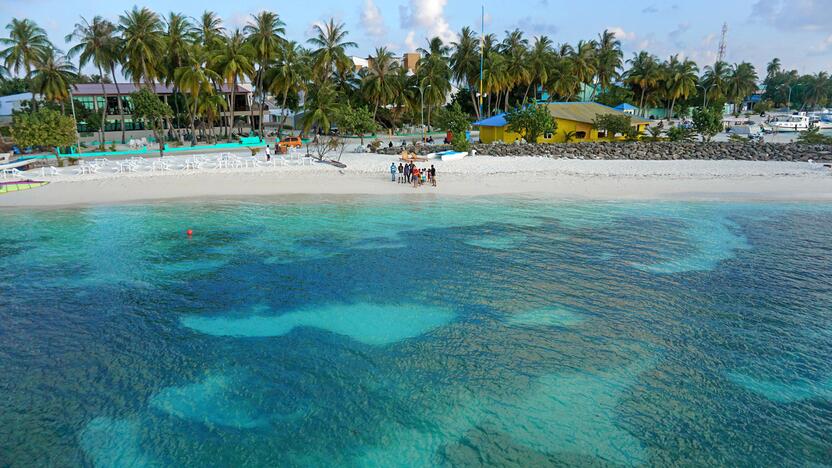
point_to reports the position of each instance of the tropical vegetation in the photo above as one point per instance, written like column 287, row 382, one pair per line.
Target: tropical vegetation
column 205, row 64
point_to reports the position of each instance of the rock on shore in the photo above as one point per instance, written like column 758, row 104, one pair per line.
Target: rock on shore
column 643, row 150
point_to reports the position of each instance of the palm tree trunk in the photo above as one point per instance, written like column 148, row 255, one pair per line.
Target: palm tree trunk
column 118, row 97
column 526, row 94
column 251, row 114
column 283, row 111
column 262, row 98
column 474, row 101
column 104, row 107
column 193, row 121
column 641, row 103
column 231, row 107
column 672, row 104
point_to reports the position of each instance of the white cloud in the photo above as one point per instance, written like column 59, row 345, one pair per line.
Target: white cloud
column 372, row 20
column 622, row 35
column 428, row 15
column 410, row 41
column 809, row 15
column 823, row 47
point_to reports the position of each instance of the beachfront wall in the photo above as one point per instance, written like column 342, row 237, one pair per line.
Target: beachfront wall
column 571, row 118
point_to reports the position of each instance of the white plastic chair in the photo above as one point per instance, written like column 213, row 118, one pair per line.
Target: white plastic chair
column 49, row 171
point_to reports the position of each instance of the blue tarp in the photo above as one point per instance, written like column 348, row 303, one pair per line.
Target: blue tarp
column 624, row 106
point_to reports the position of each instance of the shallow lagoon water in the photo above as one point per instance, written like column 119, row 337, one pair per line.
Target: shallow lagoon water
column 371, row 332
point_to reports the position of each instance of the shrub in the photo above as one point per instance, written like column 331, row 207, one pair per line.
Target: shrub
column 679, row 133
column 531, row 121
column 613, row 124
column 707, row 122
column 814, row 137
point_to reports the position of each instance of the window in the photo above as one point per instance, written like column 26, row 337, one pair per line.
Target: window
column 547, row 135
column 580, row 135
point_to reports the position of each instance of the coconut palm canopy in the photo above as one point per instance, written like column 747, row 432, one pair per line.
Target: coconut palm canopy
column 486, row 76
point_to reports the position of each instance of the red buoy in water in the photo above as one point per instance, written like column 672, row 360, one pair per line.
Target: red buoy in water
column 190, row 232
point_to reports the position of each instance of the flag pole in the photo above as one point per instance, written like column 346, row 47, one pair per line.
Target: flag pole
column 482, row 52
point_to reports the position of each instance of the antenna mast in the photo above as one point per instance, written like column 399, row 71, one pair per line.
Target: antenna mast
column 723, row 44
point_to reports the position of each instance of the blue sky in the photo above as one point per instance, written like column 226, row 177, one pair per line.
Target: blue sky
column 799, row 32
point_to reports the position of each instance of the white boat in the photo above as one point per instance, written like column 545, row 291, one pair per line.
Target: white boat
column 798, row 122
column 821, row 121
column 449, row 155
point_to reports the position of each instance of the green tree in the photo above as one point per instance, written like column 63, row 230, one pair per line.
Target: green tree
column 143, row 45
column 465, row 63
column 707, row 122
column 643, row 76
column 434, row 74
column 154, row 112
column 96, row 45
column 541, row 57
column 742, row 81
column 715, row 80
column 613, row 124
column 355, row 121
column 44, row 128
column 52, row 78
column 233, row 61
column 195, row 81
column 609, row 57
column 26, row 46
column 330, row 55
column 379, row 82
column 321, row 107
column 680, row 81
column 264, row 33
column 288, row 75
column 531, row 121
column 453, row 119
column 209, row 30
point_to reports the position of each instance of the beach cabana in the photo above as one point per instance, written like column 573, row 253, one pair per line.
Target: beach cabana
column 576, row 118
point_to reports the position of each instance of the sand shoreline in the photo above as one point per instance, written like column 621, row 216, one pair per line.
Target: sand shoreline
column 367, row 175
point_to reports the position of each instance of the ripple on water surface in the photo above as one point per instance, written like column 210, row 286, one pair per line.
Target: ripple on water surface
column 372, row 324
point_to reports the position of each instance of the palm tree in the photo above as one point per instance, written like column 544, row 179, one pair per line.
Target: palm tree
column 585, row 62
column 773, row 68
column 331, row 43
column 211, row 107
column 96, row 45
column 643, row 76
column 541, row 59
column 321, row 107
column 562, row 79
column 209, row 30
column 742, row 81
column 609, row 58
column 818, row 89
column 265, row 34
column 680, row 80
column 715, row 80
column 232, row 62
column 494, row 78
column 434, row 72
column 53, row 76
column 288, row 74
column 465, row 63
column 515, row 48
column 179, row 43
column 26, row 46
column 378, row 83
column 143, row 45
column 195, row 80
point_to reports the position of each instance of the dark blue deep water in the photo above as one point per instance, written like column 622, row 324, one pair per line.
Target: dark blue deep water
column 393, row 332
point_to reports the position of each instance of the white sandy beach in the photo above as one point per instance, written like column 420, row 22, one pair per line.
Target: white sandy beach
column 368, row 174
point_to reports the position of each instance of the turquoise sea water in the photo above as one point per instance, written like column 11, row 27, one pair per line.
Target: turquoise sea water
column 392, row 332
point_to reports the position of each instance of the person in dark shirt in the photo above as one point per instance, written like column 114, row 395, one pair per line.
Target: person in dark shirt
column 432, row 175
column 401, row 173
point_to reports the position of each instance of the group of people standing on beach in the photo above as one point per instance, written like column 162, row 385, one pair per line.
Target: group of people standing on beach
column 408, row 173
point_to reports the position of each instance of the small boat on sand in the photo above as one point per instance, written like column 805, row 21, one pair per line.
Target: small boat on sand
column 449, row 155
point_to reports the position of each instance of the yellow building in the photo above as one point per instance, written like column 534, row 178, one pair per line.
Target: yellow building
column 571, row 117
